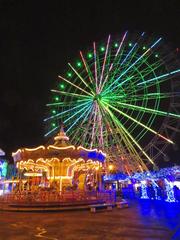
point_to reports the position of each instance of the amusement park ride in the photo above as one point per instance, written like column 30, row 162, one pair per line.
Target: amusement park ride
column 121, row 96
column 61, row 164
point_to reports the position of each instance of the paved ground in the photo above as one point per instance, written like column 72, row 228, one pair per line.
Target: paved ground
column 140, row 221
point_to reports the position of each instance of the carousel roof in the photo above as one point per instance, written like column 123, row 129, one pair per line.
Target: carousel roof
column 60, row 149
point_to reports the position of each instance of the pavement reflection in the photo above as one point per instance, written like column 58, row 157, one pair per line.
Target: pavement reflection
column 142, row 220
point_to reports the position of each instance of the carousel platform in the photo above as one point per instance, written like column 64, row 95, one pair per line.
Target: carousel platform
column 93, row 206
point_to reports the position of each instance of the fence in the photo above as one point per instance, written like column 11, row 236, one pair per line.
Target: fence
column 63, row 196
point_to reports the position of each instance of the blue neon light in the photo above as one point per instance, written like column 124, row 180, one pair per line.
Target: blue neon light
column 93, row 155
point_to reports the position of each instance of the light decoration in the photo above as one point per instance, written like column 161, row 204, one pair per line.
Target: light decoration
column 61, row 148
column 34, row 149
column 116, row 96
column 110, row 167
column 69, row 74
column 71, row 165
column 144, row 194
column 90, row 55
column 3, row 168
column 169, row 191
column 116, row 177
column 177, row 184
column 169, row 173
column 59, row 177
column 155, row 187
column 33, row 174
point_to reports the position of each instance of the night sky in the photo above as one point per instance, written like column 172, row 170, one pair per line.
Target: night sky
column 38, row 38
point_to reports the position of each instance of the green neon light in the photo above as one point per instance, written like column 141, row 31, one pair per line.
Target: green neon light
column 53, row 124
column 102, row 49
column 79, row 64
column 62, row 86
column 69, row 74
column 90, row 55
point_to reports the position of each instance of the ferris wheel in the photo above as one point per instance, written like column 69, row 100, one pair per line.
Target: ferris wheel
column 121, row 95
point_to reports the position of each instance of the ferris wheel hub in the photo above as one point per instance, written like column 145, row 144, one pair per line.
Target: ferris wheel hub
column 97, row 97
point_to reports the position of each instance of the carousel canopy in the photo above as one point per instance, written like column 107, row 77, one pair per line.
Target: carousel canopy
column 60, row 149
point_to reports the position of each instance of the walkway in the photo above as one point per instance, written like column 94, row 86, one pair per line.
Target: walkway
column 146, row 221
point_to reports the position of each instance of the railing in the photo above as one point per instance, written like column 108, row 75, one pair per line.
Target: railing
column 59, row 197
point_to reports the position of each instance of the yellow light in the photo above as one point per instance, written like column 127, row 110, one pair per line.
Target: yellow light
column 88, row 150
column 34, row 149
column 80, row 160
column 14, row 181
column 110, row 167
column 61, row 148
column 59, row 177
column 33, row 174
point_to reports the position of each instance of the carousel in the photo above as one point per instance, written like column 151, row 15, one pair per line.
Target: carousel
column 60, row 166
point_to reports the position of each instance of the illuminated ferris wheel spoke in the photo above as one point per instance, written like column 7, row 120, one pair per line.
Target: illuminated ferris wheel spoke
column 82, row 110
column 135, row 78
column 129, row 54
column 146, row 71
column 148, row 96
column 89, row 121
column 54, row 129
column 129, row 135
column 149, row 110
column 138, row 122
column 88, row 109
column 134, row 74
column 132, row 51
column 71, row 94
column 100, row 127
column 120, row 46
column 71, row 103
column 95, row 67
column 170, row 74
column 132, row 151
column 114, row 128
column 87, row 85
column 66, row 111
column 113, row 67
column 111, row 131
column 93, row 127
column 104, row 62
column 137, row 60
column 78, row 137
column 74, row 85
column 89, row 73
column 137, row 64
